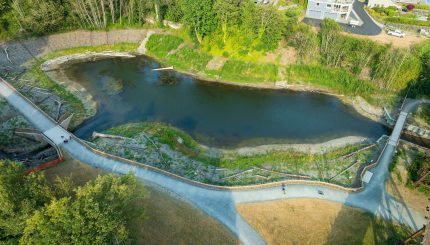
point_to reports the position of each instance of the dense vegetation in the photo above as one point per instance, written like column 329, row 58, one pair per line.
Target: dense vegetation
column 417, row 166
column 392, row 15
column 34, row 211
column 242, row 32
column 327, row 59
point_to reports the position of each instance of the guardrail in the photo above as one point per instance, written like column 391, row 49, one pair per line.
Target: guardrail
column 196, row 183
column 45, row 166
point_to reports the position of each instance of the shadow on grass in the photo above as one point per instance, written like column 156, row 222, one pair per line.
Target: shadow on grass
column 359, row 228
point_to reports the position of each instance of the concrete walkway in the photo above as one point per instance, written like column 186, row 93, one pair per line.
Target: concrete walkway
column 220, row 204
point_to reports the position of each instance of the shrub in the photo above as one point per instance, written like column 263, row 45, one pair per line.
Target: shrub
column 189, row 59
column 410, row 7
column 407, row 21
column 336, row 79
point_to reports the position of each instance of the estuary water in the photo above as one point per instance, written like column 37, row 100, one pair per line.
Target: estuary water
column 128, row 90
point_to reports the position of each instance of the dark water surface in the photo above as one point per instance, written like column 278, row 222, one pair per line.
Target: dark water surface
column 214, row 114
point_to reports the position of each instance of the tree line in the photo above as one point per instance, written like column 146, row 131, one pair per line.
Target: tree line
column 387, row 67
column 261, row 23
column 33, row 211
column 240, row 25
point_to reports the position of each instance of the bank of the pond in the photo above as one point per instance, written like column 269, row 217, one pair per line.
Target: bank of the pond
column 46, row 72
column 174, row 51
column 53, row 64
column 294, row 77
column 337, row 161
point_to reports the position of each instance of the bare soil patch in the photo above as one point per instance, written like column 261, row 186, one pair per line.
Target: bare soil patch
column 397, row 42
column 282, row 56
column 216, row 63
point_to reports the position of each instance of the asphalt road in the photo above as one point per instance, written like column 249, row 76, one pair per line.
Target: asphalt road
column 369, row 27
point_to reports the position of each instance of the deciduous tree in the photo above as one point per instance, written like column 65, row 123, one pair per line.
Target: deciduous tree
column 97, row 214
column 199, row 16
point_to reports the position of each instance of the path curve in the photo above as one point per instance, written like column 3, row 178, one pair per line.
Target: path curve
column 220, row 204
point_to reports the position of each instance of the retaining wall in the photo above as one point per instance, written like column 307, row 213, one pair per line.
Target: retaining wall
column 22, row 51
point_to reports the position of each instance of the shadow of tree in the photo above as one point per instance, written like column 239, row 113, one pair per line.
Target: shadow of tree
column 367, row 229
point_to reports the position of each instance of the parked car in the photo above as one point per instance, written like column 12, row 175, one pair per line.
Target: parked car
column 354, row 23
column 397, row 33
column 423, row 32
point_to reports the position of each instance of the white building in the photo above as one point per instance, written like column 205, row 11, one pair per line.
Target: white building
column 338, row 10
column 380, row 3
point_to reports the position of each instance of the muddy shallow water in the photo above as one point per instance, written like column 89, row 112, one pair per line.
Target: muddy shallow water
column 128, row 90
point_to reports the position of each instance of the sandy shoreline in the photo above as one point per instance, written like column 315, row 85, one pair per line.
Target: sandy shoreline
column 315, row 148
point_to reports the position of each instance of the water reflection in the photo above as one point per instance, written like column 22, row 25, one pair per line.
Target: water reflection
column 127, row 90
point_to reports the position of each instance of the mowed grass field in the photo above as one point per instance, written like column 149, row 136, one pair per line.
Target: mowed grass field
column 309, row 221
column 167, row 220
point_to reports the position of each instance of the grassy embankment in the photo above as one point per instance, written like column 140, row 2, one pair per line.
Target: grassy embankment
column 421, row 117
column 9, row 121
column 309, row 221
column 167, row 220
column 42, row 80
column 320, row 166
column 193, row 60
column 409, row 164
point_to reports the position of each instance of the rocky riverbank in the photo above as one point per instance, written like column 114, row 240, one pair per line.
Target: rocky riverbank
column 53, row 69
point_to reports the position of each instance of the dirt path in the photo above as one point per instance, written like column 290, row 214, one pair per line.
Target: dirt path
column 383, row 38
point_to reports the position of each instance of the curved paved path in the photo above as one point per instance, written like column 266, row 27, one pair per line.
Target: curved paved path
column 220, row 204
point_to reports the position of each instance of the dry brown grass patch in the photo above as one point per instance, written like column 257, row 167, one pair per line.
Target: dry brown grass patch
column 309, row 221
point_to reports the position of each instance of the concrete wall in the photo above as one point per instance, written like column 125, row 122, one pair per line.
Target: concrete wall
column 381, row 3
column 23, row 51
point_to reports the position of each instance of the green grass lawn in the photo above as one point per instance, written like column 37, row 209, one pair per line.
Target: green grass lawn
column 336, row 79
column 241, row 71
